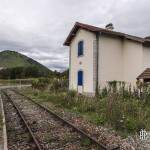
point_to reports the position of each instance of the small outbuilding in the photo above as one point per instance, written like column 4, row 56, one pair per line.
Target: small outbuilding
column 145, row 76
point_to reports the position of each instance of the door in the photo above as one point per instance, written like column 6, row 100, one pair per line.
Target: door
column 80, row 81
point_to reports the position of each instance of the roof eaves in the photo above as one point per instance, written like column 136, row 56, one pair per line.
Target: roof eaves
column 97, row 29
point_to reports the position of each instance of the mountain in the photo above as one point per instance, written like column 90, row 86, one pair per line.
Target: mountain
column 12, row 59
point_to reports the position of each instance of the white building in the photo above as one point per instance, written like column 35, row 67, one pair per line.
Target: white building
column 100, row 55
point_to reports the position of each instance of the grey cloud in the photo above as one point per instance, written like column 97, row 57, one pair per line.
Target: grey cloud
column 39, row 28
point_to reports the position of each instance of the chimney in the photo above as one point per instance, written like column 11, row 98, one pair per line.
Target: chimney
column 109, row 26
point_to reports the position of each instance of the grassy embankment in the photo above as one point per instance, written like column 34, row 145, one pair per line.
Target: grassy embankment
column 119, row 109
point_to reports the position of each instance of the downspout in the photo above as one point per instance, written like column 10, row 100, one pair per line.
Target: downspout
column 70, row 68
column 97, row 63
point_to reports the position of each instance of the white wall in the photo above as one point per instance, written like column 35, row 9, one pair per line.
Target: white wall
column 110, row 59
column 84, row 62
column 119, row 59
column 132, row 60
column 146, row 57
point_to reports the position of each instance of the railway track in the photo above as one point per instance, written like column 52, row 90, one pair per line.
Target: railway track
column 19, row 134
column 52, row 131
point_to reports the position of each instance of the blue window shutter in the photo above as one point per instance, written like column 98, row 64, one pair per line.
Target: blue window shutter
column 80, row 48
column 80, row 77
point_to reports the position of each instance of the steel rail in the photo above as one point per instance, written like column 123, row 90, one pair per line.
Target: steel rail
column 23, row 119
column 94, row 141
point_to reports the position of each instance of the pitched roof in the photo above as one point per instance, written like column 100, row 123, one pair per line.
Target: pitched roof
column 145, row 74
column 95, row 29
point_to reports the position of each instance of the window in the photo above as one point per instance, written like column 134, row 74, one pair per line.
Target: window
column 80, row 48
column 80, row 78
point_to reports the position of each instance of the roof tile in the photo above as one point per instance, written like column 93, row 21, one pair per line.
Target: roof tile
column 95, row 29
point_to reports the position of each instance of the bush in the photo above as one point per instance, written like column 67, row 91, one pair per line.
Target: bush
column 103, row 92
column 72, row 94
column 40, row 84
column 131, row 124
column 58, row 85
column 98, row 120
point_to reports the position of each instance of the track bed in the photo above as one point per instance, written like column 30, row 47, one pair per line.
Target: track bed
column 50, row 132
column 17, row 132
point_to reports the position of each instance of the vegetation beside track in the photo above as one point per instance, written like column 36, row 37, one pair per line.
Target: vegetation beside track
column 119, row 108
column 1, row 122
column 1, row 119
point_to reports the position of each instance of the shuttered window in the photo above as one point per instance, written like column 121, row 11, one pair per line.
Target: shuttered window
column 80, row 48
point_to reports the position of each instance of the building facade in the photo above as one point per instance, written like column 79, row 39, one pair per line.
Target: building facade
column 98, row 56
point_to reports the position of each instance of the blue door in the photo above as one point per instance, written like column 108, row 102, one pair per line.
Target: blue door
column 80, row 78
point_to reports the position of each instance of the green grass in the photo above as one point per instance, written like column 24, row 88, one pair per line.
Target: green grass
column 85, row 142
column 126, row 115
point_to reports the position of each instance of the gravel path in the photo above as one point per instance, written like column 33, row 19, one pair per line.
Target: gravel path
column 50, row 132
column 17, row 133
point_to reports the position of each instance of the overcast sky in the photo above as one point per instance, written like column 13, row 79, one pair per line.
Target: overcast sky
column 38, row 28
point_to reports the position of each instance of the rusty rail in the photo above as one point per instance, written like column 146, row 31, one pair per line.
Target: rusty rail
column 94, row 141
column 23, row 119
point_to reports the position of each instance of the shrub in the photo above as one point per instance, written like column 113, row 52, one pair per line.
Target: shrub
column 58, row 85
column 40, row 84
column 55, row 85
column 103, row 93
column 131, row 124
column 98, row 120
column 71, row 93
column 112, row 86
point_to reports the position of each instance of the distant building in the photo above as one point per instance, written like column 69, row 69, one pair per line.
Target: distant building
column 1, row 68
column 100, row 55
